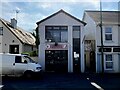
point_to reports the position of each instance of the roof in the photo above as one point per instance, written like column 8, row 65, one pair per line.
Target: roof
column 64, row 13
column 108, row 17
column 23, row 36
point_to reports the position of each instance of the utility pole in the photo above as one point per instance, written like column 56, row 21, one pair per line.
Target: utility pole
column 101, row 24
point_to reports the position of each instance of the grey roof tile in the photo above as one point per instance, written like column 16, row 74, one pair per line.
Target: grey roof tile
column 108, row 17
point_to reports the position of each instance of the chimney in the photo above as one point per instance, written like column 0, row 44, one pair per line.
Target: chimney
column 14, row 23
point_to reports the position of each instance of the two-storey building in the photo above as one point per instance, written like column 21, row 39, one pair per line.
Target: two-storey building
column 61, row 43
column 111, row 38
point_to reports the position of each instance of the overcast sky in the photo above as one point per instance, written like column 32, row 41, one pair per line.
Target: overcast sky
column 31, row 11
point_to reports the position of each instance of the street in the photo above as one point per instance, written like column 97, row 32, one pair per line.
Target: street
column 63, row 81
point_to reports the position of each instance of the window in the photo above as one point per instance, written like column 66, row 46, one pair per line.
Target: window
column 28, row 59
column 76, row 31
column 56, row 33
column 108, row 62
column 108, row 33
column 116, row 49
column 18, row 59
column 1, row 30
column 64, row 36
column 105, row 49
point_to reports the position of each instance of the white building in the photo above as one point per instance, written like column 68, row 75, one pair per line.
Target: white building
column 14, row 39
column 61, row 43
column 111, row 38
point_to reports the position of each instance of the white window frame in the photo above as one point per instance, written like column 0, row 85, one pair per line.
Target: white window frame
column 108, row 33
column 105, row 61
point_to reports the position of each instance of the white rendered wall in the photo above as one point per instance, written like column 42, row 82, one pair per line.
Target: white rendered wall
column 60, row 19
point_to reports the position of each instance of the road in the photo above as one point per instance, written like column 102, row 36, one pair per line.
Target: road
column 59, row 81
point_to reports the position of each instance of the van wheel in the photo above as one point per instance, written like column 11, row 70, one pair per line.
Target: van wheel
column 28, row 74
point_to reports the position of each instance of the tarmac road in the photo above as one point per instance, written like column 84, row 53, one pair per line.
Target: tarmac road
column 60, row 81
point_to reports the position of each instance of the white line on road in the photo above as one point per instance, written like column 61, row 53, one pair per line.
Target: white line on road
column 97, row 86
column 1, row 86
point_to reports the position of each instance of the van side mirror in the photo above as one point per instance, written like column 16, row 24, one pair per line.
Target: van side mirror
column 25, row 61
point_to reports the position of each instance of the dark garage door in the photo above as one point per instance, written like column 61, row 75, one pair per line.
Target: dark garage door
column 56, row 60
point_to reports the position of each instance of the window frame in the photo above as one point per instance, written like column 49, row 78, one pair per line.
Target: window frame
column 52, row 30
column 108, row 33
column 105, row 60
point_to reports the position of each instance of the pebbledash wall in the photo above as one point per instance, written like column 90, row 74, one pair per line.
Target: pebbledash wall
column 59, row 19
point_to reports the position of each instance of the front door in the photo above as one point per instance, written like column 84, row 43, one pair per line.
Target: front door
column 14, row 49
column 92, row 61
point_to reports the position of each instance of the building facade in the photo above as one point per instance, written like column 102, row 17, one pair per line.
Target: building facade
column 61, row 43
column 111, row 39
column 13, row 39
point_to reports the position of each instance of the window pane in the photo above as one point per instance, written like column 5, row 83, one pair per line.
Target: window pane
column 108, row 30
column 64, row 36
column 116, row 49
column 64, row 27
column 56, row 28
column 76, row 31
column 108, row 57
column 109, row 65
column 76, row 34
column 49, row 35
column 105, row 49
column 76, row 28
column 108, row 37
column 56, row 36
column 56, row 33
column 18, row 59
column 48, row 27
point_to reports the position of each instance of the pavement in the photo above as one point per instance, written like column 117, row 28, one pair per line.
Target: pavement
column 61, row 81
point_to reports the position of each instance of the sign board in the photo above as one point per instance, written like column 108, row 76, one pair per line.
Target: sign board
column 57, row 47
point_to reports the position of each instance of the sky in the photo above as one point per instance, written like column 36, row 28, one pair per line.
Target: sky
column 32, row 11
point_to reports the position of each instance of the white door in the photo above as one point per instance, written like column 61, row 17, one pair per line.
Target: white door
column 19, row 66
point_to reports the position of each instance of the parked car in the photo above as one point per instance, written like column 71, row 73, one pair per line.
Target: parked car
column 18, row 65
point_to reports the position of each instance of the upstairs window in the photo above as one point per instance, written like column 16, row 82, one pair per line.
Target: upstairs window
column 1, row 30
column 56, row 33
column 108, row 34
column 76, row 31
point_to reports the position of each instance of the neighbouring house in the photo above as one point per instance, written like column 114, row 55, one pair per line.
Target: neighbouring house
column 111, row 40
column 61, row 46
column 14, row 39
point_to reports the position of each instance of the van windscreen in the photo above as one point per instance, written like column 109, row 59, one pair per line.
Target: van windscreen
column 29, row 59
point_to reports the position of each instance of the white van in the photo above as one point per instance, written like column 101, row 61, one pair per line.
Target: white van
column 17, row 64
